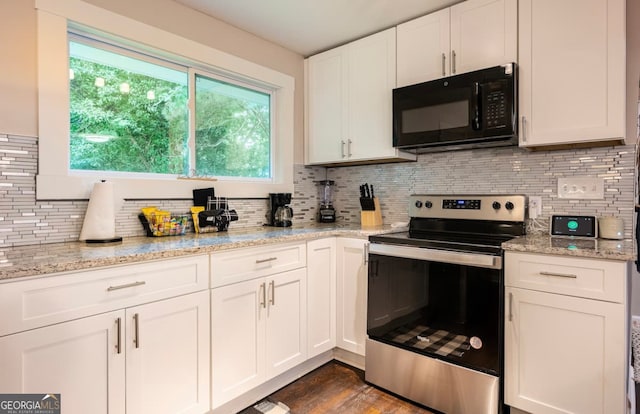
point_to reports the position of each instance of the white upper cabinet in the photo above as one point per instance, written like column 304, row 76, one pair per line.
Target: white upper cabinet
column 472, row 35
column 572, row 71
column 423, row 48
column 349, row 102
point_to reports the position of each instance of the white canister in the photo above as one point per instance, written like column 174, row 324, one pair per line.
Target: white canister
column 611, row 227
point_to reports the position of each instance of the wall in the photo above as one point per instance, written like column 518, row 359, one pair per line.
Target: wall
column 496, row 170
column 23, row 220
column 18, row 106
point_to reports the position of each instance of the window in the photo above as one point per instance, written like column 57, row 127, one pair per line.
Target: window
column 129, row 113
column 233, row 129
column 235, row 122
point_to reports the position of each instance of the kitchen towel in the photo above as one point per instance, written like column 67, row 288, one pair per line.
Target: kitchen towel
column 100, row 219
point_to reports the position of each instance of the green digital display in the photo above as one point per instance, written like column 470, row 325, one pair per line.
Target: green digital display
column 579, row 226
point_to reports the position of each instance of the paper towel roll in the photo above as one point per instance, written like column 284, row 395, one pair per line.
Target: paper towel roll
column 100, row 220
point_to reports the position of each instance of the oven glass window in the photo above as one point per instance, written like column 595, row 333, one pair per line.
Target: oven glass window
column 436, row 117
column 445, row 311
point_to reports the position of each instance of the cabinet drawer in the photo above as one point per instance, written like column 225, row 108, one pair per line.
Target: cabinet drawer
column 244, row 264
column 587, row 278
column 38, row 302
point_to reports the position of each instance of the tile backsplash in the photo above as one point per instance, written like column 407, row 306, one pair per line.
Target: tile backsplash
column 497, row 170
column 24, row 220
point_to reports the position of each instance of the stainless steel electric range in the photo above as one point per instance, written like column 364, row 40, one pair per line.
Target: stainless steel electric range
column 435, row 302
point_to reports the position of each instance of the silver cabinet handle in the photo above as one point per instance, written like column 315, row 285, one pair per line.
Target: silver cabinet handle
column 365, row 254
column 263, row 295
column 524, row 129
column 342, row 144
column 444, row 62
column 272, row 287
column 119, row 335
column 510, row 306
column 136, row 328
column 453, row 62
column 128, row 285
column 349, row 148
column 567, row 275
column 270, row 259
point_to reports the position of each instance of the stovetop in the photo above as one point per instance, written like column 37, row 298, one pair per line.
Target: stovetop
column 467, row 223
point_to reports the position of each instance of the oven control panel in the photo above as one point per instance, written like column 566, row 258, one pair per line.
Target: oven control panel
column 461, row 203
column 503, row 207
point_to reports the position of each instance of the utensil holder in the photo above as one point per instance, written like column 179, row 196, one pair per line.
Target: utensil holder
column 372, row 218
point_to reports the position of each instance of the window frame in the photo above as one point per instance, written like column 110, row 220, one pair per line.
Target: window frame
column 56, row 181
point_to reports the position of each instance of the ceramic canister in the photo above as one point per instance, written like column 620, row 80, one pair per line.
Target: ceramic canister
column 611, row 227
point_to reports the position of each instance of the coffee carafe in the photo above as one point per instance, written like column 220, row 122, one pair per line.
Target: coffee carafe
column 279, row 214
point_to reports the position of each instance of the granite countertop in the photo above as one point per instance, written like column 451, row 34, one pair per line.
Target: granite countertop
column 566, row 246
column 38, row 260
column 43, row 259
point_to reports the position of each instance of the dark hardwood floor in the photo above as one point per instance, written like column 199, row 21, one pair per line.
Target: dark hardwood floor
column 339, row 388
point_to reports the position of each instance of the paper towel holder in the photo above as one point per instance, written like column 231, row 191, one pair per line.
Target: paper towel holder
column 98, row 226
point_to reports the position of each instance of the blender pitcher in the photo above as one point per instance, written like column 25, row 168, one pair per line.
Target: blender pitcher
column 326, row 212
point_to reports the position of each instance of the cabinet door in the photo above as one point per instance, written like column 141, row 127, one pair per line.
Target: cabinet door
column 238, row 320
column 352, row 295
column 484, row 33
column 286, row 338
column 371, row 79
column 326, row 85
column 423, row 48
column 564, row 354
column 168, row 355
column 80, row 360
column 572, row 71
column 321, row 296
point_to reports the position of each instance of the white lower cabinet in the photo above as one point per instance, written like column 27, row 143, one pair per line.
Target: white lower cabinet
column 159, row 350
column 168, row 357
column 122, row 339
column 565, row 349
column 258, row 332
column 351, row 294
column 77, row 359
column 321, row 296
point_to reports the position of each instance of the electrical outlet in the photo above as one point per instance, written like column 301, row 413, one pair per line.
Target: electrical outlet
column 591, row 188
column 535, row 206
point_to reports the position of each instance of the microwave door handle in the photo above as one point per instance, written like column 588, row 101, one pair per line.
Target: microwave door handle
column 477, row 99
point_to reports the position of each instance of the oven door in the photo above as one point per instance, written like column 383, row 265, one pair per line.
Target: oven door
column 441, row 304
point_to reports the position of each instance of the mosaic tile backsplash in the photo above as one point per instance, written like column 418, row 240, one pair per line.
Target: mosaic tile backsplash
column 24, row 221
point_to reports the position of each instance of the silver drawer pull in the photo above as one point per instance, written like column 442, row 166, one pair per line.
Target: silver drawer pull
column 136, row 322
column 510, row 306
column 128, row 285
column 271, row 259
column 119, row 335
column 567, row 275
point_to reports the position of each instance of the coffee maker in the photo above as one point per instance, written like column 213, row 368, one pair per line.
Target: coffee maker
column 279, row 214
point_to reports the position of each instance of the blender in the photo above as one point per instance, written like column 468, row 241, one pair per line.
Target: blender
column 326, row 212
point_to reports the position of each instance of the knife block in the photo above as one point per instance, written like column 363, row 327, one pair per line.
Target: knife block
column 372, row 218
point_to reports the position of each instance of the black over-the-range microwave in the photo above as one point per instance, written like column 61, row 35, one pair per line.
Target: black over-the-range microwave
column 470, row 110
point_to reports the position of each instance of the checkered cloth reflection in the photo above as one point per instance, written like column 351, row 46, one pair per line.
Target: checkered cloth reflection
column 436, row 341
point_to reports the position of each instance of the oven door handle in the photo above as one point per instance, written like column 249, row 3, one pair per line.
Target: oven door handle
column 435, row 255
